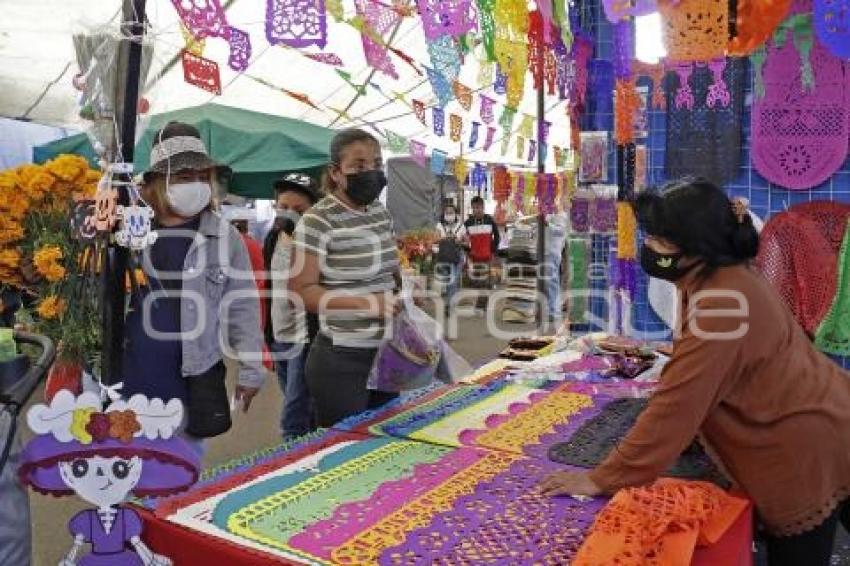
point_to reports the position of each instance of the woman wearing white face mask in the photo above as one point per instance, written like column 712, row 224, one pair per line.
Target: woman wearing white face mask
column 199, row 294
column 449, row 252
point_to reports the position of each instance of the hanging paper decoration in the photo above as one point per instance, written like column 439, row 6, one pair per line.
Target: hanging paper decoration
column 346, row 76
column 532, row 150
column 626, row 105
column 617, row 10
column 536, row 48
column 445, row 57
column 501, row 184
column 417, row 152
column 530, row 189
column 626, row 172
column 624, row 49
column 438, row 116
column 326, row 58
column 641, row 168
column 485, row 74
column 755, row 22
column 832, row 23
column 302, row 98
column 519, row 193
column 200, row 72
column 463, row 94
column 695, row 30
column 526, row 127
column 203, row 18
column 545, row 125
column 656, row 74
column 461, row 170
column 419, row 110
column 473, row 136
column 626, row 231
column 800, row 134
column 511, row 19
column 486, row 25
column 602, row 87
column 479, row 177
column 488, row 141
column 296, row 23
column 335, row 9
column 704, row 121
column 455, row 127
column 594, row 157
column 500, row 86
column 192, row 44
column 240, row 49
column 577, row 83
column 559, row 57
column 446, row 17
column 520, row 147
column 486, row 108
column 549, row 197
column 506, row 141
column 441, row 87
column 543, row 150
column 380, row 19
column 438, row 162
column 513, row 59
column 558, row 156
column 396, row 143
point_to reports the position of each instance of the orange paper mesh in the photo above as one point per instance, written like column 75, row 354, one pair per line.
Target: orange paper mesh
column 695, row 30
column 659, row 525
column 626, row 231
column 626, row 105
column 756, row 21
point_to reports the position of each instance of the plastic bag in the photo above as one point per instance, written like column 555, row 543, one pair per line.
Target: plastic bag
column 415, row 354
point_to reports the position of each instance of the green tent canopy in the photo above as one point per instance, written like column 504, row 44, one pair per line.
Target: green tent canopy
column 258, row 147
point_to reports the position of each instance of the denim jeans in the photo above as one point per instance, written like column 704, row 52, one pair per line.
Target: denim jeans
column 448, row 275
column 298, row 413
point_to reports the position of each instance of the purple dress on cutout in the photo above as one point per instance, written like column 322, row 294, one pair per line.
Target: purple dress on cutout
column 112, row 548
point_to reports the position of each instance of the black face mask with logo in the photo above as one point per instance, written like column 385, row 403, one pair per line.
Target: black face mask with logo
column 662, row 266
column 364, row 187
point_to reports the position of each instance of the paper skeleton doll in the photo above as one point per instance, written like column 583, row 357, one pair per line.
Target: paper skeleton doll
column 104, row 456
column 135, row 232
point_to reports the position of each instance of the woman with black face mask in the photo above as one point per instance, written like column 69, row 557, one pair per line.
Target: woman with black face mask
column 772, row 411
column 345, row 268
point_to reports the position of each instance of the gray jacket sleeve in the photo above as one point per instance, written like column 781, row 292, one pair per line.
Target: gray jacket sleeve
column 243, row 331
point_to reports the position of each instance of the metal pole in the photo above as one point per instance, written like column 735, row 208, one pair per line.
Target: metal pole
column 126, row 103
column 541, row 216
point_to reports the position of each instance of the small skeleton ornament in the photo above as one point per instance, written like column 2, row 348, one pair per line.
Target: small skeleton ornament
column 135, row 227
column 104, row 455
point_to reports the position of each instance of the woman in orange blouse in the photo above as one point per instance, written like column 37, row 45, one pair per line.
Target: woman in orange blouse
column 744, row 377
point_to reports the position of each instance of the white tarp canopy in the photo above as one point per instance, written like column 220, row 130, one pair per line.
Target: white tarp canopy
column 37, row 64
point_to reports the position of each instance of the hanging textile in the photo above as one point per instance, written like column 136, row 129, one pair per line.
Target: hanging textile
column 395, row 142
column 580, row 212
column 800, row 134
column 488, row 141
column 455, row 127
column 755, row 22
column 380, row 19
column 438, row 116
column 446, row 17
column 833, row 334
column 626, row 105
column 419, row 110
column 486, row 23
column 513, row 60
column 594, row 157
column 486, row 108
column 296, row 23
column 461, row 170
column 240, row 49
column 463, row 94
column 695, row 30
column 438, row 162
column 441, row 87
column 617, row 10
column 705, row 105
column 200, row 72
column 624, row 49
column 417, row 152
column 473, row 136
column 832, row 23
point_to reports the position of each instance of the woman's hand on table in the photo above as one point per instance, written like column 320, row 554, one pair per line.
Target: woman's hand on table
column 569, row 483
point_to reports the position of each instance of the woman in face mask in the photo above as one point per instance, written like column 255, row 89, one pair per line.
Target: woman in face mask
column 450, row 252
column 345, row 268
column 197, row 275
column 744, row 377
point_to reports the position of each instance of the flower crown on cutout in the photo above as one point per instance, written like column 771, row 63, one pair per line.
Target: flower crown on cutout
column 83, row 419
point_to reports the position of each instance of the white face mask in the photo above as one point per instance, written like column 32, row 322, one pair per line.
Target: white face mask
column 188, row 199
column 450, row 218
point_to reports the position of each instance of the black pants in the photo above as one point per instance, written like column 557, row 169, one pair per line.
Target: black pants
column 812, row 548
column 336, row 377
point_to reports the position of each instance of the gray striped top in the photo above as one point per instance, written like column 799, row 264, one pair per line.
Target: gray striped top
column 357, row 256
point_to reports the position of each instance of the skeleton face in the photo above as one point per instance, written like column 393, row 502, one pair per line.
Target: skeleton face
column 105, row 205
column 103, row 482
column 137, row 221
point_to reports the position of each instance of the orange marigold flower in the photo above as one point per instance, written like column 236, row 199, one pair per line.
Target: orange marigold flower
column 51, row 307
column 10, row 258
column 67, row 167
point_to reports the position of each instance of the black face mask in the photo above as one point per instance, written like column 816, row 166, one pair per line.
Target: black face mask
column 662, row 266
column 364, row 187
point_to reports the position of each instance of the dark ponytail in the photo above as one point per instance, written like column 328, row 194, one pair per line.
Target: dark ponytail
column 698, row 217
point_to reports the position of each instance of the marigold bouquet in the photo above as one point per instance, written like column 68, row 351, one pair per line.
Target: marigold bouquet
column 416, row 248
column 38, row 255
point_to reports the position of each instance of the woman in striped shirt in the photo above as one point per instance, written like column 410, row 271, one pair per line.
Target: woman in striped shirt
column 345, row 267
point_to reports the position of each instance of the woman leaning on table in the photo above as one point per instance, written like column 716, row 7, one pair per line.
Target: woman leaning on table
column 772, row 410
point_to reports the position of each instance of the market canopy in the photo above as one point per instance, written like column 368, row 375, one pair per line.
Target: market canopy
column 258, row 147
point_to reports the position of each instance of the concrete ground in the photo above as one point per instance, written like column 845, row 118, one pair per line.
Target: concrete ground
column 256, row 429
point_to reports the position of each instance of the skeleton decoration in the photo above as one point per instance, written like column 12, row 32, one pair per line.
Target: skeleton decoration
column 104, row 456
column 135, row 227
